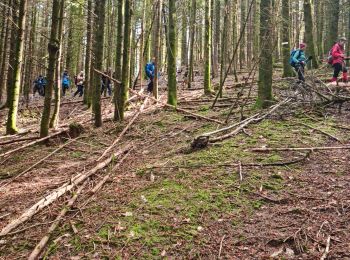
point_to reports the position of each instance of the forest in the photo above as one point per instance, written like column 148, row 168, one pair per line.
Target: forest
column 163, row 129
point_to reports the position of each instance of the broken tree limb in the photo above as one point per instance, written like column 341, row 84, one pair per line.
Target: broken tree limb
column 103, row 181
column 124, row 130
column 32, row 143
column 53, row 196
column 39, row 162
column 322, row 132
column 320, row 148
column 41, row 245
column 160, row 102
column 203, row 140
column 19, row 140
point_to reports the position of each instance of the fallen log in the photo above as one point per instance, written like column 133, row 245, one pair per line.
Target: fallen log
column 53, row 196
column 41, row 245
column 124, row 130
column 163, row 103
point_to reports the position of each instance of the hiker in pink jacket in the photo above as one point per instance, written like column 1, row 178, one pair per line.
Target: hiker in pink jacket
column 338, row 60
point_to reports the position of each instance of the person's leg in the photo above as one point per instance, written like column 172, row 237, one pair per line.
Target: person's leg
column 64, row 90
column 109, row 89
column 337, row 68
column 301, row 73
column 81, row 91
column 76, row 92
column 102, row 88
column 345, row 74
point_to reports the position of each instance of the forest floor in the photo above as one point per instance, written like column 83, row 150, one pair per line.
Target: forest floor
column 167, row 200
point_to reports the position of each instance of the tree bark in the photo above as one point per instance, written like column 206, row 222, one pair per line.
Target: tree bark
column 171, row 46
column 157, row 49
column 118, row 63
column 207, row 48
column 88, row 86
column 191, row 46
column 309, row 33
column 11, row 126
column 286, row 48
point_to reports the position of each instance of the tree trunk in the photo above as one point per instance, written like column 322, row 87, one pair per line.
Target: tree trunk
column 88, row 86
column 265, row 66
column 207, row 48
column 309, row 33
column 224, row 45
column 216, row 39
column 191, row 46
column 125, row 76
column 184, row 50
column 157, row 48
column 11, row 126
column 171, row 46
column 53, row 49
column 333, row 19
column 57, row 87
column 118, row 63
column 286, row 48
column 99, row 26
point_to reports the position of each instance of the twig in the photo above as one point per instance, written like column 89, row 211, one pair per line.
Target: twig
column 326, row 251
column 221, row 243
column 19, row 140
column 240, row 171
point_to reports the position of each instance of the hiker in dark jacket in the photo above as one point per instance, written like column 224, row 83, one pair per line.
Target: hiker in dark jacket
column 338, row 63
column 106, row 83
column 39, row 83
column 299, row 61
column 80, row 84
column 150, row 70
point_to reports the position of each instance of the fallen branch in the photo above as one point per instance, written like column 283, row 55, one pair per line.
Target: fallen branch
column 41, row 245
column 53, row 196
column 323, row 132
column 19, row 140
column 163, row 103
column 240, row 171
column 39, row 162
column 322, row 148
column 221, row 243
column 32, row 143
column 124, row 130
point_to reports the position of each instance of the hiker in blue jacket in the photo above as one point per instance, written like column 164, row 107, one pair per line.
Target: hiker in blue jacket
column 298, row 61
column 65, row 82
column 150, row 70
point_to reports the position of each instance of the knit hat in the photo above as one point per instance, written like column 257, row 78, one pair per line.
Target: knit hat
column 342, row 39
column 302, row 45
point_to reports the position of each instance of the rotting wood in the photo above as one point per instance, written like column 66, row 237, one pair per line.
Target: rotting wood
column 53, row 196
column 41, row 245
column 160, row 102
column 124, row 130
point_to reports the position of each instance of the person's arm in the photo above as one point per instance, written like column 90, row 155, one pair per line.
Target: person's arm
column 296, row 56
column 336, row 53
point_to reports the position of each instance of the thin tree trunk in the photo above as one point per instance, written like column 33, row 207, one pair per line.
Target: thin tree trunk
column 118, row 63
column 157, row 49
column 309, row 33
column 287, row 69
column 87, row 86
column 53, row 49
column 207, row 48
column 99, row 27
column 191, row 47
column 184, row 50
column 171, row 46
column 11, row 126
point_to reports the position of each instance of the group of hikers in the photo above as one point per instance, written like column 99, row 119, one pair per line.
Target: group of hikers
column 79, row 81
column 336, row 58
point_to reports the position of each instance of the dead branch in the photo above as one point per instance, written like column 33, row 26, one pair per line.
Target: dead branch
column 39, row 162
column 32, row 143
column 240, row 171
column 124, row 130
column 53, row 196
column 312, row 149
column 41, row 245
column 19, row 140
column 326, row 251
column 160, row 102
column 322, row 132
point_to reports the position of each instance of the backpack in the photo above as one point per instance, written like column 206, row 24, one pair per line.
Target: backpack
column 65, row 80
column 330, row 56
column 292, row 53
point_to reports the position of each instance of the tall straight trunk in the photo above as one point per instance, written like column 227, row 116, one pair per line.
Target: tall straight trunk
column 57, row 87
column 171, row 46
column 191, row 46
column 4, row 64
column 123, row 91
column 348, row 36
column 184, row 50
column 157, row 49
column 118, row 63
column 266, row 63
column 333, row 8
column 309, row 33
column 99, row 27
column 287, row 69
column 12, row 55
column 242, row 54
column 256, row 22
column 207, row 48
column 87, row 86
column 53, row 49
column 224, row 44
column 11, row 126
column 142, row 43
column 320, row 27
column 297, row 23
column 216, row 42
